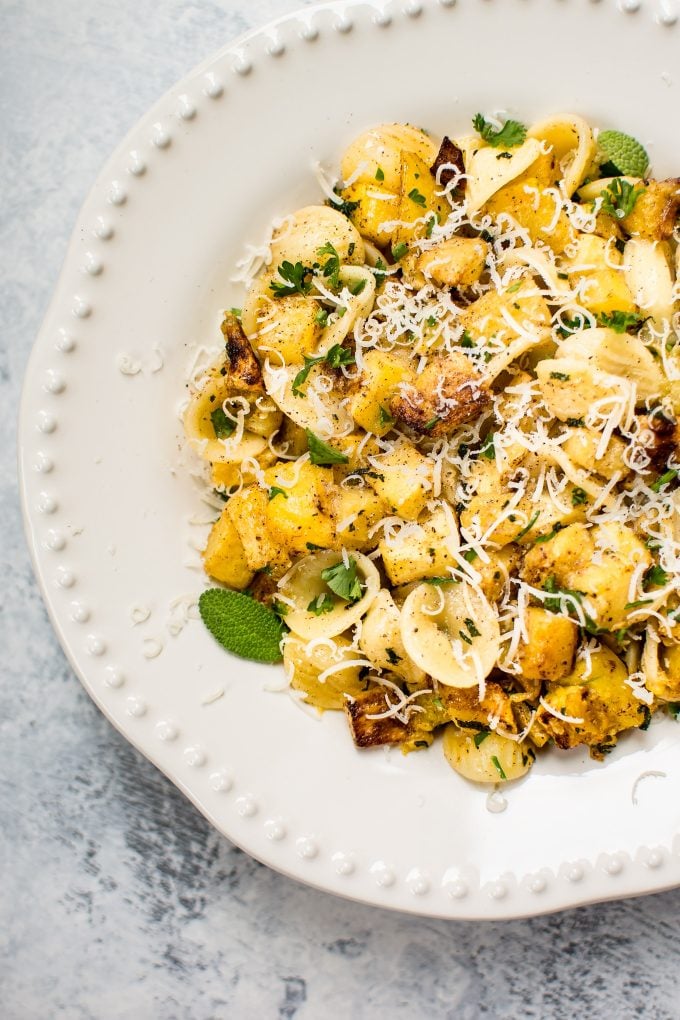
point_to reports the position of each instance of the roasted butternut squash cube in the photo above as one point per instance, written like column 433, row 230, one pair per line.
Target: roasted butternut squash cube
column 403, row 479
column 581, row 448
column 247, row 510
column 357, row 509
column 655, row 212
column 602, row 704
column 458, row 262
column 290, row 326
column 549, row 652
column 224, row 557
column 420, row 550
column 535, row 209
column 485, row 317
column 418, row 199
column 300, row 513
column 597, row 563
column 375, row 204
column 603, row 288
column 381, row 375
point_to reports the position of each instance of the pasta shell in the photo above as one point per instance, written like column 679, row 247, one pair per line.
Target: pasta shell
column 649, row 277
column 378, row 152
column 311, row 228
column 451, row 632
column 487, row 173
column 303, row 584
column 200, row 431
column 475, row 760
column 571, row 139
column 319, row 409
column 381, row 641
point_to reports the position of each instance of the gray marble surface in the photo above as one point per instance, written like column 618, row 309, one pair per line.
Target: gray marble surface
column 117, row 900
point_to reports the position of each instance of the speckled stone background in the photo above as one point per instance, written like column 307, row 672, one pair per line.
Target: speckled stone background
column 117, row 900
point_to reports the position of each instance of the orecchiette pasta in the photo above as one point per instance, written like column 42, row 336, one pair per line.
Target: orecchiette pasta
column 444, row 428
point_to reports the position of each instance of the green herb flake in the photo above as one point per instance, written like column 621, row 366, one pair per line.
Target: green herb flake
column 343, row 580
column 431, row 423
column 335, row 357
column 293, row 279
column 562, row 376
column 331, row 267
column 321, row 318
column 640, row 602
column 472, row 629
column 655, row 575
column 242, row 625
column 527, row 529
column 399, row 250
column 480, row 737
column 664, row 479
column 384, row 417
column 321, row 453
column 578, row 496
column 488, row 450
column 619, row 321
column 575, row 423
column 509, row 136
column 470, row 555
column 323, row 603
column 619, row 198
column 276, row 491
column 222, row 425
column 439, row 581
column 279, row 608
column 392, row 656
column 551, row 534
column 417, row 197
column 380, row 174
column 515, row 287
column 499, row 768
column 356, row 288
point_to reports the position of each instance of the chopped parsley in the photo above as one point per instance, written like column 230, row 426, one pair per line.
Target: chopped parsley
column 578, row 496
column 498, row 767
column 480, row 737
column 549, row 536
column 343, row 580
column 384, row 417
column 416, row 197
column 619, row 198
column 222, row 425
column 472, row 629
column 335, row 358
column 527, row 528
column 510, row 135
column 293, row 279
column 431, row 423
column 321, row 453
column 275, row 491
column 399, row 250
column 664, row 479
column 331, row 267
column 323, row 603
column 380, row 174
column 619, row 321
column 488, row 450
column 562, row 376
column 357, row 287
column 655, row 575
